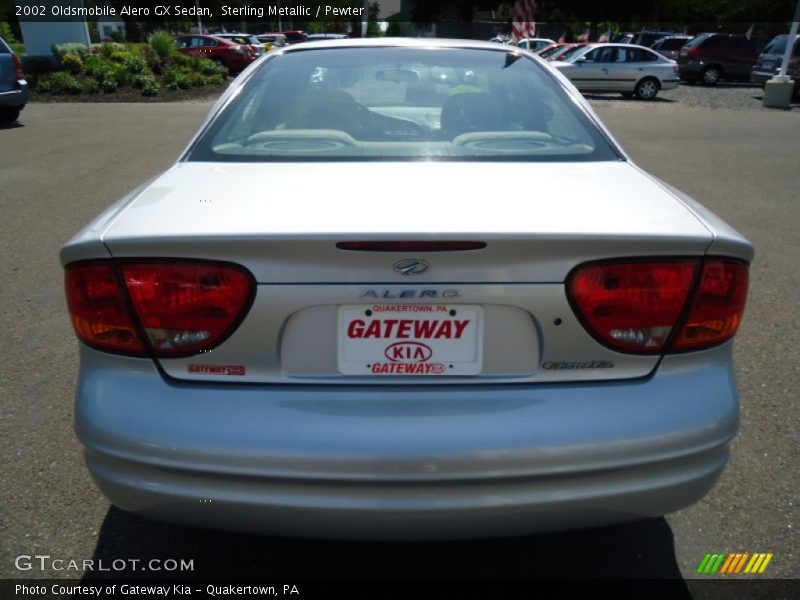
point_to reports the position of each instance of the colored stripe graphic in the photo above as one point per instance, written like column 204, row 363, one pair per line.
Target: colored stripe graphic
column 727, row 564
column 704, row 564
column 741, row 562
column 731, row 564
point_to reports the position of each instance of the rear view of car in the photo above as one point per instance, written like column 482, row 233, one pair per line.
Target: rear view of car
column 226, row 53
column 711, row 57
column 670, row 46
column 244, row 39
column 401, row 357
column 13, row 87
column 769, row 62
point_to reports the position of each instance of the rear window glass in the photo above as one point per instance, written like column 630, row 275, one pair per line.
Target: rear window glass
column 701, row 39
column 672, row 44
column 778, row 45
column 401, row 104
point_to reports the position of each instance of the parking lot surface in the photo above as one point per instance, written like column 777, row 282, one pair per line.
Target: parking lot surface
column 66, row 162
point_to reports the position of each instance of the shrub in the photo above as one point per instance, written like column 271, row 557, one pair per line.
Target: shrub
column 110, row 76
column 138, row 80
column 119, row 55
column 91, row 86
column 108, row 85
column 150, row 87
column 107, row 49
column 183, row 60
column 177, row 78
column 218, row 79
column 151, row 59
column 134, row 63
column 61, row 83
column 162, row 44
column 93, row 65
column 61, row 50
column 18, row 49
column 7, row 33
column 72, row 63
column 209, row 67
column 197, row 79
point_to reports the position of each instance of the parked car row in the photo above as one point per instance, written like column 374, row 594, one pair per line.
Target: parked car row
column 235, row 51
column 706, row 58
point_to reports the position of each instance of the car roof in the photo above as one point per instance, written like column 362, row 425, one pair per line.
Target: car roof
column 402, row 43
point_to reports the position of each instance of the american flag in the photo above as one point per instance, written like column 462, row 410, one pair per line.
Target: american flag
column 749, row 31
column 563, row 38
column 522, row 25
column 606, row 37
column 584, row 37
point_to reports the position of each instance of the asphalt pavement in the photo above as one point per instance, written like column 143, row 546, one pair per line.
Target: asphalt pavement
column 65, row 162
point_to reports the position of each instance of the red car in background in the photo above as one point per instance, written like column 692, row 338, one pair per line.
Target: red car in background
column 235, row 57
column 295, row 37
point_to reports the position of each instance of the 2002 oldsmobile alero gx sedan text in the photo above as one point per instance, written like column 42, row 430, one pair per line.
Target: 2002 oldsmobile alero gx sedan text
column 479, row 319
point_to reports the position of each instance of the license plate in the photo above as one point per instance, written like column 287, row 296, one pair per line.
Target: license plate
column 410, row 339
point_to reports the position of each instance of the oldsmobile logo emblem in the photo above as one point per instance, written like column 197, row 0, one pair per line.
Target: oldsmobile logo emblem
column 411, row 266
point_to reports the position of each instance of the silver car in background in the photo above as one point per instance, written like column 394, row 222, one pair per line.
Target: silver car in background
column 410, row 355
column 625, row 68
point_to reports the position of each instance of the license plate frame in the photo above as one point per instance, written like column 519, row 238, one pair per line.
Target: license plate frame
column 410, row 339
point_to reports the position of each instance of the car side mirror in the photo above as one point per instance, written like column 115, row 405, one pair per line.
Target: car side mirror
column 579, row 60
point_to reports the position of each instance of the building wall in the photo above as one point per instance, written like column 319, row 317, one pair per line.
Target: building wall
column 40, row 36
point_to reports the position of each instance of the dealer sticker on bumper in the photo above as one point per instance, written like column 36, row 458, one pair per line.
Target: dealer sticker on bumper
column 410, row 339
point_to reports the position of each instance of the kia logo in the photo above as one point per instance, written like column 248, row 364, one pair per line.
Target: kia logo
column 411, row 266
column 413, row 352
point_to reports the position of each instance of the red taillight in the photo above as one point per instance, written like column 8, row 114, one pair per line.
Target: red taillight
column 18, row 67
column 183, row 307
column 693, row 52
column 717, row 307
column 632, row 307
column 98, row 309
column 639, row 307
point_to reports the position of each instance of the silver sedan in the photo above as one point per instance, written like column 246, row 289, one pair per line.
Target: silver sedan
column 415, row 352
column 625, row 68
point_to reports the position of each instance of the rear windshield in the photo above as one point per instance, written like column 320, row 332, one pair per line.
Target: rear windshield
column 698, row 39
column 401, row 104
column 672, row 44
column 778, row 45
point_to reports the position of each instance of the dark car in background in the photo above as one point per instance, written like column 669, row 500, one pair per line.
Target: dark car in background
column 235, row 57
column 769, row 62
column 13, row 87
column 710, row 57
column 648, row 38
column 671, row 46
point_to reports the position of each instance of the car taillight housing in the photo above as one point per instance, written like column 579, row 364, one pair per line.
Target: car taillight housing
column 18, row 67
column 167, row 308
column 660, row 305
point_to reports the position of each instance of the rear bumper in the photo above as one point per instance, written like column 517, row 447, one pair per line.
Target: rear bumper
column 402, row 463
column 15, row 99
column 691, row 71
column 670, row 84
